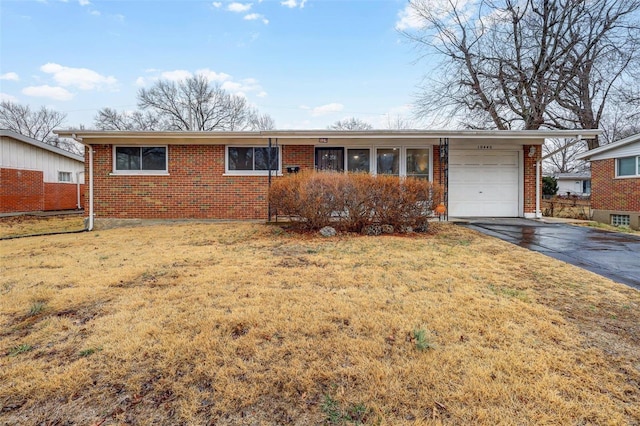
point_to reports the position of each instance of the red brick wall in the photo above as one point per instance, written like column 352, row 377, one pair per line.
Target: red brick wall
column 62, row 196
column 194, row 188
column 530, row 178
column 21, row 190
column 609, row 193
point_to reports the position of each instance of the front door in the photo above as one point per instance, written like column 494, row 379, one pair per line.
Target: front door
column 330, row 159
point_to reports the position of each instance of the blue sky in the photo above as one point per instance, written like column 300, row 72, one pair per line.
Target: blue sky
column 306, row 63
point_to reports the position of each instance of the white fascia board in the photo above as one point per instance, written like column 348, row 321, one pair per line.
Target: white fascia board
column 313, row 136
column 601, row 152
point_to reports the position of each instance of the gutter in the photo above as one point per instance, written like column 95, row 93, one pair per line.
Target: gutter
column 90, row 148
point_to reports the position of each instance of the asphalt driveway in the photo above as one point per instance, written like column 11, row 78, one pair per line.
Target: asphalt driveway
column 611, row 254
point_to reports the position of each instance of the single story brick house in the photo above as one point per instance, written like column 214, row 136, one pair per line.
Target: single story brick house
column 225, row 175
column 615, row 182
column 35, row 176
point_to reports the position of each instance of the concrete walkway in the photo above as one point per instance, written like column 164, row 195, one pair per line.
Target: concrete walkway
column 611, row 254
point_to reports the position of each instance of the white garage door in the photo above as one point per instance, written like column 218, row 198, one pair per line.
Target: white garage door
column 483, row 183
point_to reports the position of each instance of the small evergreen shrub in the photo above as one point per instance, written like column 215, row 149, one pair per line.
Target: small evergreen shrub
column 354, row 202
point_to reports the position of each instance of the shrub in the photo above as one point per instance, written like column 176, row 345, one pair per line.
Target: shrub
column 352, row 202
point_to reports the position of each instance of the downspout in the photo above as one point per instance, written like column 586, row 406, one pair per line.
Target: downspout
column 90, row 148
column 90, row 224
column 538, row 214
column 269, row 182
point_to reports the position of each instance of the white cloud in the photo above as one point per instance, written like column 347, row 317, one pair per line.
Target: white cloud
column 84, row 2
column 293, row 3
column 5, row 97
column 12, row 76
column 212, row 75
column 217, row 4
column 176, row 75
column 95, row 13
column 409, row 19
column 242, row 87
column 238, row 7
column 45, row 91
column 326, row 109
column 226, row 81
column 81, row 78
column 256, row 16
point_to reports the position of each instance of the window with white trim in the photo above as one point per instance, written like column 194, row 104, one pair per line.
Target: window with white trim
column 620, row 220
column 388, row 161
column 358, row 160
column 417, row 163
column 628, row 166
column 257, row 160
column 140, row 159
column 64, row 177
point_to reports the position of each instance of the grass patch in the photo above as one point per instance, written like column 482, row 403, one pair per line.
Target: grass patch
column 89, row 351
column 356, row 414
column 259, row 326
column 20, row 349
column 509, row 292
column 36, row 308
column 421, row 340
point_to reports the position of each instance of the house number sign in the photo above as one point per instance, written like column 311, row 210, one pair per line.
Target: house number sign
column 485, row 147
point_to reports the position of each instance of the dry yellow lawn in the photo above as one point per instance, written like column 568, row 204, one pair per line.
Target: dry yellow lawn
column 13, row 226
column 247, row 324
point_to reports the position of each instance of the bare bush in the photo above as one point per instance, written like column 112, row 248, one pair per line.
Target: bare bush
column 352, row 202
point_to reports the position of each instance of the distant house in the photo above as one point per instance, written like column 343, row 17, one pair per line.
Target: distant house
column 615, row 182
column 226, row 175
column 578, row 183
column 35, row 176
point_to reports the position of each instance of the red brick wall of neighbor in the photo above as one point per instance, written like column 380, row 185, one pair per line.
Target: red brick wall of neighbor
column 195, row 187
column 62, row 196
column 609, row 193
column 21, row 190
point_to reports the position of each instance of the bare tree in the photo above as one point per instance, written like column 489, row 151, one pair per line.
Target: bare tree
column 509, row 64
column 38, row 125
column 350, row 123
column 259, row 121
column 34, row 124
column 196, row 104
column 398, row 122
column 564, row 159
column 111, row 119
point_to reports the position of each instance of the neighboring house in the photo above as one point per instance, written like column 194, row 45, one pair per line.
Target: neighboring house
column 578, row 183
column 224, row 175
column 615, row 182
column 35, row 176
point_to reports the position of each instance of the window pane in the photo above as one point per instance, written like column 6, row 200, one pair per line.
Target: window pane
column 240, row 158
column 418, row 162
column 154, row 158
column 262, row 158
column 388, row 161
column 358, row 160
column 627, row 166
column 127, row 158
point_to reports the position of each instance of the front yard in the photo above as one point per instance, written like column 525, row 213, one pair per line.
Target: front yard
column 248, row 324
